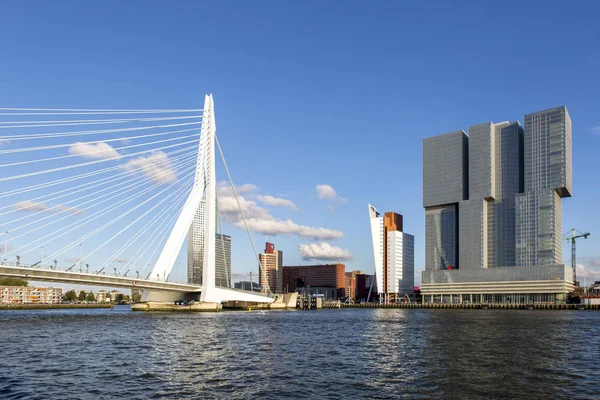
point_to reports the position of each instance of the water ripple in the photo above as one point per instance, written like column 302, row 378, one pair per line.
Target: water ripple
column 337, row 354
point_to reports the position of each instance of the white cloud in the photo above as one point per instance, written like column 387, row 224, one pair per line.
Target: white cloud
column 331, row 207
column 326, row 192
column 240, row 275
column 323, row 252
column 261, row 221
column 156, row 166
column 28, row 205
column 94, row 150
column 245, row 188
column 588, row 269
column 277, row 202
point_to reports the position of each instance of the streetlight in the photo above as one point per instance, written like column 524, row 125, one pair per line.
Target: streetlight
column 79, row 262
column 6, row 248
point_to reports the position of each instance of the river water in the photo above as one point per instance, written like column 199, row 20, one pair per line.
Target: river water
column 348, row 353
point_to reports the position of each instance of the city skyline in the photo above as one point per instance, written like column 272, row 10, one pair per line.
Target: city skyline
column 323, row 193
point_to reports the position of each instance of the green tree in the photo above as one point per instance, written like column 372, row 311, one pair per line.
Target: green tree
column 13, row 282
column 119, row 298
column 82, row 296
column 71, row 295
column 137, row 297
column 90, row 297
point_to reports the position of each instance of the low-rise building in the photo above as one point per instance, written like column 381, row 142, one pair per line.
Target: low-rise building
column 351, row 284
column 365, row 285
column 328, row 279
column 248, row 285
column 101, row 296
column 30, row 295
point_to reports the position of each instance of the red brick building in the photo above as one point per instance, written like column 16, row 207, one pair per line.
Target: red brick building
column 329, row 279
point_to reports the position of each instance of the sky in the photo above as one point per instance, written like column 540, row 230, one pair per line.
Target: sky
column 321, row 107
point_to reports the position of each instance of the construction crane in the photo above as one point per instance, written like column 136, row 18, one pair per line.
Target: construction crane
column 571, row 237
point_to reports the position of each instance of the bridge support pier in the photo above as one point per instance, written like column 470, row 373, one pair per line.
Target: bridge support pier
column 169, row 297
column 162, row 306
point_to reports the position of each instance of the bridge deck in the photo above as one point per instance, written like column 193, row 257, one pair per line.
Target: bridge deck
column 82, row 278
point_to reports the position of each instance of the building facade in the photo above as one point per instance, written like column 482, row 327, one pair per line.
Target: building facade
column 366, row 289
column 248, row 285
column 328, row 279
column 30, row 295
column 394, row 255
column 271, row 262
column 196, row 251
column 350, row 285
column 492, row 202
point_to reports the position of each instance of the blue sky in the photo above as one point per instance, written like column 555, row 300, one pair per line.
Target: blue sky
column 310, row 93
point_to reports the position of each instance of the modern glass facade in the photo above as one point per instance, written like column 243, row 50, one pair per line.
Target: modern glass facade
column 196, row 251
column 548, row 178
column 501, row 209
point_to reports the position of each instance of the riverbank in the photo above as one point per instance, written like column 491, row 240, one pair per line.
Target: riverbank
column 51, row 306
column 478, row 306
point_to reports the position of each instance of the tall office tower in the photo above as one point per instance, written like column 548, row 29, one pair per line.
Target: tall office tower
column 487, row 218
column 492, row 202
column 394, row 252
column 445, row 184
column 223, row 260
column 548, row 178
column 272, row 262
column 196, row 251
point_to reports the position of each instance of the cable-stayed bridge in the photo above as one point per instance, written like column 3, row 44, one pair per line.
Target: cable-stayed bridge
column 123, row 185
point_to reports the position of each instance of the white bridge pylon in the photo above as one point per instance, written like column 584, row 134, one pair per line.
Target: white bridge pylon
column 204, row 188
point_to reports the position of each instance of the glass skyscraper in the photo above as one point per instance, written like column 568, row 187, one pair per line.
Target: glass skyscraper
column 196, row 251
column 492, row 202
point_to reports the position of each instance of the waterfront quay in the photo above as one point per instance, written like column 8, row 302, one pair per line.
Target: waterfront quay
column 471, row 306
column 16, row 306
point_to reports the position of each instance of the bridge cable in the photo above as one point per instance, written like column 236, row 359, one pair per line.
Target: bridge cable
column 80, row 176
column 75, row 122
column 75, row 208
column 67, row 167
column 164, row 199
column 164, row 213
column 177, row 194
column 55, row 254
column 55, row 135
column 101, row 151
column 57, row 146
column 88, row 219
column 263, row 272
column 89, row 185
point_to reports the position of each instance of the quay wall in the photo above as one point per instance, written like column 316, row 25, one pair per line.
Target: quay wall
column 479, row 306
column 51, row 306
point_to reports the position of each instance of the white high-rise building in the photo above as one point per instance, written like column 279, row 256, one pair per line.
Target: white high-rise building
column 394, row 256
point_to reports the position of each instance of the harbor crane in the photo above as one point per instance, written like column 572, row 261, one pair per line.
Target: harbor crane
column 571, row 237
